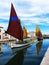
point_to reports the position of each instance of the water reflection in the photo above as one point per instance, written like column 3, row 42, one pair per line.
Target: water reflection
column 18, row 59
column 38, row 46
column 29, row 56
column 0, row 48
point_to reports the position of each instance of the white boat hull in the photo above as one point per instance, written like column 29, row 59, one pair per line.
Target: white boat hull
column 17, row 47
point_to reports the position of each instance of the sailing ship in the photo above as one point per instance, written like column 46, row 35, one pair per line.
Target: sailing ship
column 38, row 33
column 15, row 29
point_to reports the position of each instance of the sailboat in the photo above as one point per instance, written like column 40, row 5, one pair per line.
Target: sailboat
column 38, row 33
column 15, row 29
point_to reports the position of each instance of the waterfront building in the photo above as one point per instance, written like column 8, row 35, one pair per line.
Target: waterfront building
column 5, row 36
column 31, row 34
column 1, row 32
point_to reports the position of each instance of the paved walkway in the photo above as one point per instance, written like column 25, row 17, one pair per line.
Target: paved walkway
column 45, row 60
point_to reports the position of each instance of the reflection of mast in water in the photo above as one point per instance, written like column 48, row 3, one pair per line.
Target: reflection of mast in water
column 18, row 59
column 0, row 48
column 38, row 46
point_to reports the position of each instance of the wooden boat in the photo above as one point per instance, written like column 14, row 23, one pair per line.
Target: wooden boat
column 38, row 33
column 15, row 28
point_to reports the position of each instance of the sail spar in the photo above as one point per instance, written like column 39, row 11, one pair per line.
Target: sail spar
column 14, row 27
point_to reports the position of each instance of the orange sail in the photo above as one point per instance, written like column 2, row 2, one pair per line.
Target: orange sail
column 24, row 32
column 14, row 28
column 38, row 32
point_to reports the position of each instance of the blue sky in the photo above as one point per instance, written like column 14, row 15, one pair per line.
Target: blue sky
column 30, row 12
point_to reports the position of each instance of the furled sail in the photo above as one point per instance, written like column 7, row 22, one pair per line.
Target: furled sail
column 14, row 28
column 38, row 32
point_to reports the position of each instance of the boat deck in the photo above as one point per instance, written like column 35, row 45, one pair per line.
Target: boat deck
column 45, row 60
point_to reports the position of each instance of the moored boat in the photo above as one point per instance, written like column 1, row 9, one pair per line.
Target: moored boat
column 15, row 28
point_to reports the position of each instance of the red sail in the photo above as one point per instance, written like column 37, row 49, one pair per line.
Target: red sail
column 14, row 28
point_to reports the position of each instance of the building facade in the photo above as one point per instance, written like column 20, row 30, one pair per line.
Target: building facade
column 4, row 35
column 1, row 32
column 31, row 34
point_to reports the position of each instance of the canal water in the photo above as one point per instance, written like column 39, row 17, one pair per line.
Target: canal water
column 31, row 55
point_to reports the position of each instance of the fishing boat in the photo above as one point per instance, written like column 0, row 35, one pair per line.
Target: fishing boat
column 15, row 29
column 38, row 33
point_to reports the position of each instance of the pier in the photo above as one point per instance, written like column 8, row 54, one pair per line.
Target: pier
column 45, row 60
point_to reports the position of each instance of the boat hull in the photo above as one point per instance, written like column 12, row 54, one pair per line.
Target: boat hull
column 15, row 49
column 40, row 39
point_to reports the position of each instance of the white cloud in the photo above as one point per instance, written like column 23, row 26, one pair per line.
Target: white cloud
column 5, row 25
column 26, row 10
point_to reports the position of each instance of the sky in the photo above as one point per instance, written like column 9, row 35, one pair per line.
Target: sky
column 30, row 12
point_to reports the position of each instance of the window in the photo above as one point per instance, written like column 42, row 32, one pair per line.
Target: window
column 5, row 34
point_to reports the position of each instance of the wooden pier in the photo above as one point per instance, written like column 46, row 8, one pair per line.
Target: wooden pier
column 45, row 60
